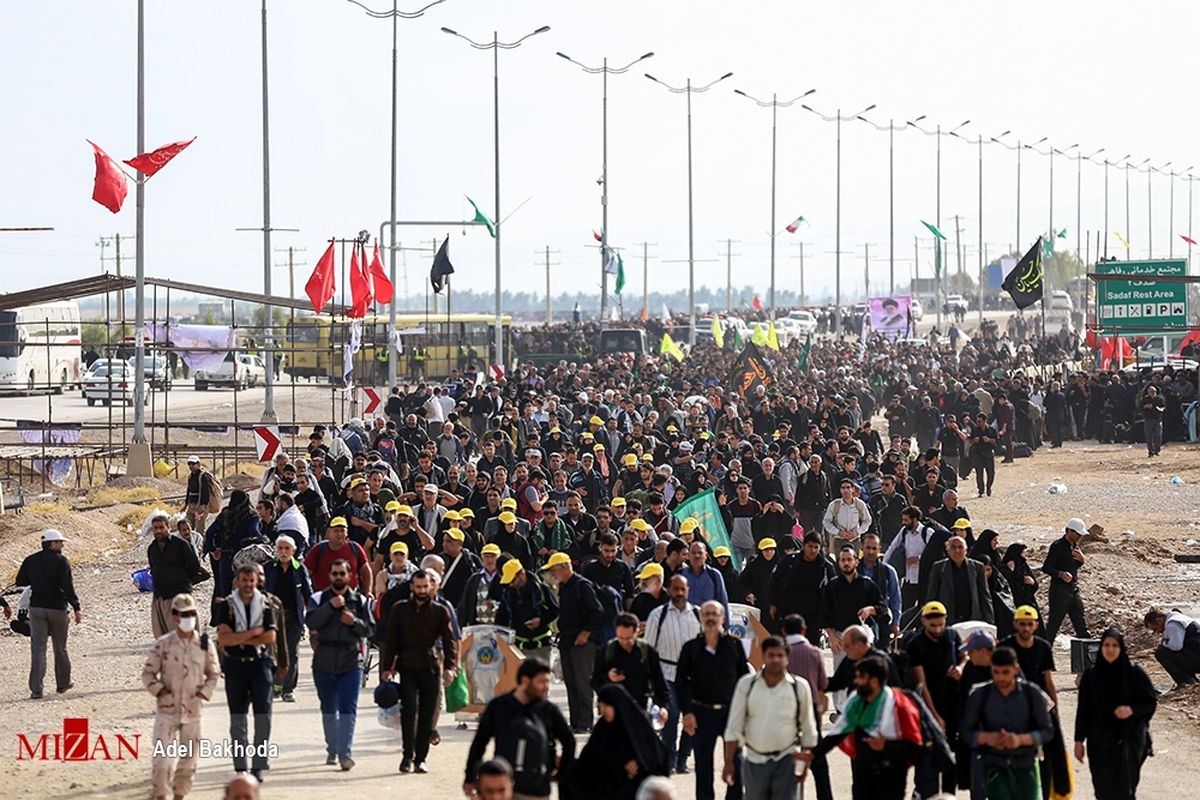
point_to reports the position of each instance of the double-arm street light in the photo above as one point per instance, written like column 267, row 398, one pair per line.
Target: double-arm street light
column 1128, row 231
column 394, row 15
column 1079, row 206
column 689, row 90
column 495, row 45
column 939, row 266
column 891, row 129
column 837, row 255
column 774, row 104
column 604, row 70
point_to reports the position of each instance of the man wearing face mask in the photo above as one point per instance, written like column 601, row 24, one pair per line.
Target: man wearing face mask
column 181, row 671
column 338, row 622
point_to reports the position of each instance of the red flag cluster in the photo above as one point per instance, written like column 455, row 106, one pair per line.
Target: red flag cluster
column 111, row 186
column 368, row 281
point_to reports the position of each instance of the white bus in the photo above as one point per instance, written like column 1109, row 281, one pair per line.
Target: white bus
column 40, row 347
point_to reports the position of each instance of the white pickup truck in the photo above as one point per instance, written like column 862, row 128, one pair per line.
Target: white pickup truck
column 238, row 370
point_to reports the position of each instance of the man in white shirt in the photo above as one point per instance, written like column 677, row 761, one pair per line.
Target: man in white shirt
column 668, row 628
column 910, row 544
column 763, row 706
column 846, row 519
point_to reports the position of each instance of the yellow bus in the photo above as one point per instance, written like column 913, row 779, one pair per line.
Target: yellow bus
column 314, row 346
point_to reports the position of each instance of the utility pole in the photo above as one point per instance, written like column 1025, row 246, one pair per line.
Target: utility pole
column 958, row 255
column 645, row 276
column 803, row 295
column 114, row 240
column 867, row 273
column 549, row 301
column 729, row 254
column 291, row 265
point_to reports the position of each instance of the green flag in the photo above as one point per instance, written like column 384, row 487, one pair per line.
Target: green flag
column 704, row 509
column 737, row 339
column 620, row 274
column 1062, row 234
column 934, row 230
column 481, row 217
column 745, row 303
column 802, row 363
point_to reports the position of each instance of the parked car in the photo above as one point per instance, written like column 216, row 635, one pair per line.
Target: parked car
column 804, row 321
column 157, row 374
column 238, row 371
column 109, row 382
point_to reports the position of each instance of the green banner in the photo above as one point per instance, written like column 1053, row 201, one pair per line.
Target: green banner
column 704, row 509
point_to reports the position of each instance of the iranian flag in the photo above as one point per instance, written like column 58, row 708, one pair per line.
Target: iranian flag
column 795, row 226
column 892, row 715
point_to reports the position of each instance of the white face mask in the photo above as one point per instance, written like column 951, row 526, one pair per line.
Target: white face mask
column 187, row 624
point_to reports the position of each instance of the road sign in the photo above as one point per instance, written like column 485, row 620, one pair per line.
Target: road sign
column 1142, row 305
column 372, row 400
column 266, row 441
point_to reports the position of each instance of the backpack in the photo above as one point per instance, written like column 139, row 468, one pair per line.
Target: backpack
column 611, row 604
column 387, row 450
column 254, row 553
column 526, row 747
column 216, row 492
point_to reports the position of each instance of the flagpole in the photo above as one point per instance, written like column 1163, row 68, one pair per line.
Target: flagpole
column 268, row 415
column 139, row 452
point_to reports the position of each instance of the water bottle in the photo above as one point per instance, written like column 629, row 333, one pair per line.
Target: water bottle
column 655, row 712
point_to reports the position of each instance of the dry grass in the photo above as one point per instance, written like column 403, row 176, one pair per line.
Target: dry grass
column 134, row 517
column 252, row 468
column 46, row 507
column 112, row 495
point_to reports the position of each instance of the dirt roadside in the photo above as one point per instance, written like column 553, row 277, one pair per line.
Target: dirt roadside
column 1115, row 486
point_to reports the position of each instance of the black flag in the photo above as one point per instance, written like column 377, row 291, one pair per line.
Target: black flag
column 1027, row 279
column 441, row 266
column 750, row 371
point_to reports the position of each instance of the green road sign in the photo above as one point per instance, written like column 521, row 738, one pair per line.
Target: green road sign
column 1142, row 305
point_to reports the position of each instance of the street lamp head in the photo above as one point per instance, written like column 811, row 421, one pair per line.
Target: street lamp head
column 542, row 29
column 561, row 54
column 918, row 119
column 1039, row 141
column 651, row 77
column 739, row 91
column 810, row 91
column 648, row 55
column 449, row 31
column 726, row 75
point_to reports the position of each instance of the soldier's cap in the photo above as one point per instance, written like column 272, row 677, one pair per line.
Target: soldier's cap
column 183, row 602
column 507, row 517
column 933, row 609
column 398, row 547
column 510, row 570
column 1025, row 612
column 650, row 571
column 490, row 550
column 556, row 560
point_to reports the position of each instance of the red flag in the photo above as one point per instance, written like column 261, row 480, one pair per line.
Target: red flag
column 320, row 284
column 360, row 285
column 757, row 303
column 381, row 287
column 597, row 236
column 1187, row 239
column 152, row 162
column 111, row 186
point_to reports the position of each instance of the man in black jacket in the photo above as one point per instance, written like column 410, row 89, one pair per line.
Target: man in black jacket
column 48, row 575
column 886, row 508
column 1062, row 564
column 797, row 583
column 851, row 600
column 634, row 664
column 579, row 620
column 528, row 607
column 173, row 567
column 530, row 698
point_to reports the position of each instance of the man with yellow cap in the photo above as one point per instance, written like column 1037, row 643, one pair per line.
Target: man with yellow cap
column 493, row 525
column 511, row 540
column 460, row 562
column 652, row 592
column 337, row 546
column 480, row 600
column 528, row 607
column 937, row 666
column 580, row 617
column 182, row 672
column 408, row 530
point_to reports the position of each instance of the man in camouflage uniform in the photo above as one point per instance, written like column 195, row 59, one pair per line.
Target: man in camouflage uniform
column 182, row 672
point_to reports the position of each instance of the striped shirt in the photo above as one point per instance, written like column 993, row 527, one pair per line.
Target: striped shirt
column 668, row 634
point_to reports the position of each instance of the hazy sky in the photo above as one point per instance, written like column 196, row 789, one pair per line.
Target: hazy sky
column 1115, row 75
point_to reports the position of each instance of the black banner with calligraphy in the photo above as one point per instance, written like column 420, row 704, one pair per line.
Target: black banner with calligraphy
column 750, row 371
column 1026, row 281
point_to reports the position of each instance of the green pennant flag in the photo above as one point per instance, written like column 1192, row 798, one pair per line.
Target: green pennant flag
column 481, row 217
column 737, row 339
column 620, row 274
column 934, row 230
column 1048, row 246
column 1062, row 234
column 802, row 363
column 704, row 509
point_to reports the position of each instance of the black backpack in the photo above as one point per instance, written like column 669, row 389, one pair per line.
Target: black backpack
column 525, row 745
column 611, row 604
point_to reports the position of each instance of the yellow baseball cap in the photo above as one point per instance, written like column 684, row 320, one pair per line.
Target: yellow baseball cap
column 453, row 516
column 639, row 524
column 722, row 552
column 508, row 503
column 456, row 534
column 356, row 482
column 598, row 447
column 650, row 571
column 629, row 459
column 933, row 609
column 1025, row 612
column 959, row 524
column 398, row 547
column 337, row 522
column 767, row 544
column 648, row 457
column 595, row 421
column 689, row 525
column 556, row 430
column 466, row 513
column 404, row 511
column 586, row 436
column 507, row 517
column 490, row 550
column 618, row 502
column 511, row 569
column 393, row 505
column 556, row 560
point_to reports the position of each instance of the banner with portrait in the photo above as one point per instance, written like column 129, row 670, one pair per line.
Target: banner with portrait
column 891, row 316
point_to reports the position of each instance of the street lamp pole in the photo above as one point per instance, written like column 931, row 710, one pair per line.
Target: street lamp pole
column 938, row 132
column 395, row 15
column 604, row 70
column 774, row 105
column 268, row 414
column 496, row 46
column 139, row 290
column 688, row 89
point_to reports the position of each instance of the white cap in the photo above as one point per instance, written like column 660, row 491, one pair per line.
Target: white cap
column 431, row 487
column 53, row 536
column 193, row 459
column 1077, row 525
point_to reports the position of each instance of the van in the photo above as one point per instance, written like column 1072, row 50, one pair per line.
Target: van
column 623, row 340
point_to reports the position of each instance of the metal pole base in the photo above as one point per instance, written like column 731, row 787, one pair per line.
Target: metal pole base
column 269, row 418
column 138, row 464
